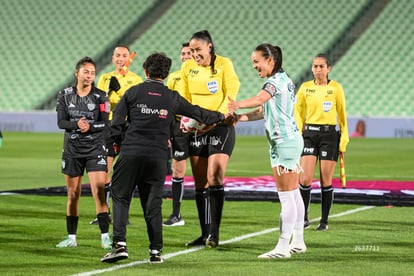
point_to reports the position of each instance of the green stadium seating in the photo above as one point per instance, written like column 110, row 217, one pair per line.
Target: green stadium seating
column 377, row 71
column 42, row 41
column 301, row 28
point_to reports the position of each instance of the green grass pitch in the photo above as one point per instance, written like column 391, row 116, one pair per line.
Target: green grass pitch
column 360, row 241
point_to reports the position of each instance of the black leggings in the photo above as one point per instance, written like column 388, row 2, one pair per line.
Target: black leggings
column 149, row 175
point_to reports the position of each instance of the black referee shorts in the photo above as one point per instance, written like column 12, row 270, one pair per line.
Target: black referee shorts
column 321, row 141
column 220, row 139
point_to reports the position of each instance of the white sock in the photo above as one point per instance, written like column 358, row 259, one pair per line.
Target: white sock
column 297, row 236
column 104, row 235
column 72, row 237
column 287, row 219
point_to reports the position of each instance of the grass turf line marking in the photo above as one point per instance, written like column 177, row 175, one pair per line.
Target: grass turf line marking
column 270, row 230
column 194, row 249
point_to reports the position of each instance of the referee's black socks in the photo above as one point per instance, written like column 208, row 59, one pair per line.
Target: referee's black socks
column 216, row 194
column 305, row 191
column 327, row 200
column 177, row 195
column 203, row 209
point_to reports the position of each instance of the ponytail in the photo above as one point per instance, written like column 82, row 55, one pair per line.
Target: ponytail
column 274, row 51
column 205, row 36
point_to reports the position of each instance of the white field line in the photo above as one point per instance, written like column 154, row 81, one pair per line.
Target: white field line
column 194, row 249
column 349, row 176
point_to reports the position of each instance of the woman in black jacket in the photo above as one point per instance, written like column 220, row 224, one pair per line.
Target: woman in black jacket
column 149, row 109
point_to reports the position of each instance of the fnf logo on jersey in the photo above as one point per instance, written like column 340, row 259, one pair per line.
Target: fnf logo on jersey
column 212, row 86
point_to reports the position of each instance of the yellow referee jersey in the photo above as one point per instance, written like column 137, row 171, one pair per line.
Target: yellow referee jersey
column 127, row 81
column 322, row 105
column 173, row 82
column 211, row 91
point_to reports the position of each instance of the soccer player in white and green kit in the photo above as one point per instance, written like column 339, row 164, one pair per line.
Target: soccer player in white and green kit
column 275, row 103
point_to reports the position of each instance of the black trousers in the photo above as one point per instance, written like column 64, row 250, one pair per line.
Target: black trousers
column 149, row 175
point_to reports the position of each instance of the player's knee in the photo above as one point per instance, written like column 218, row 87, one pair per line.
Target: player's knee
column 306, row 180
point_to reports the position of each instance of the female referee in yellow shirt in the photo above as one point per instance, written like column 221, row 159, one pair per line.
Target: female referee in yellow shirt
column 320, row 106
column 208, row 80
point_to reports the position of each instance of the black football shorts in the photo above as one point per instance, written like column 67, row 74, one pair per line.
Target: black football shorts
column 321, row 141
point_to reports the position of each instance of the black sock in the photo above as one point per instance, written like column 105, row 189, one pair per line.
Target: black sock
column 216, row 195
column 72, row 224
column 305, row 191
column 177, row 195
column 103, row 220
column 326, row 203
column 203, row 208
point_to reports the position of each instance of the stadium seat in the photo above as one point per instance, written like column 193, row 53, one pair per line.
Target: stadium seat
column 380, row 63
column 44, row 39
column 376, row 71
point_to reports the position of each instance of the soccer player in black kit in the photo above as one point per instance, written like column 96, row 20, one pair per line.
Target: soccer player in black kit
column 150, row 109
column 82, row 111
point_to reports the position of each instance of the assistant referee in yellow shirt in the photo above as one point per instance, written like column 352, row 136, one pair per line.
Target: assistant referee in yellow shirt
column 320, row 107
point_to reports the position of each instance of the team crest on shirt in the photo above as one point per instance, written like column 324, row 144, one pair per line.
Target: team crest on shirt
column 212, row 86
column 91, row 106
